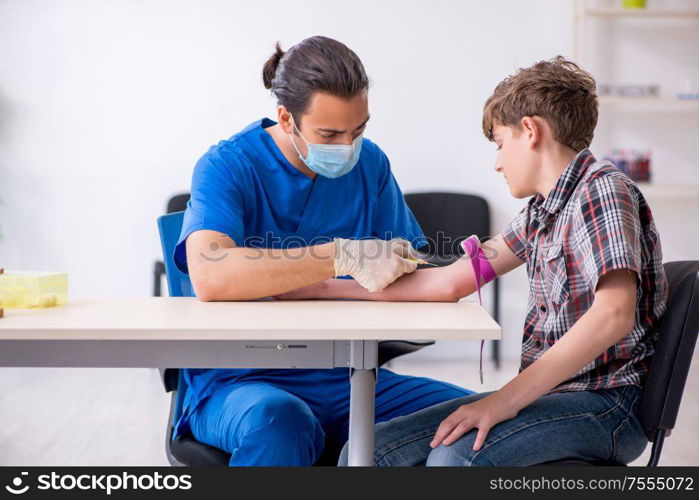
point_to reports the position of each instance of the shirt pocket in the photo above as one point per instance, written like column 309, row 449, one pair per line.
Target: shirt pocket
column 556, row 278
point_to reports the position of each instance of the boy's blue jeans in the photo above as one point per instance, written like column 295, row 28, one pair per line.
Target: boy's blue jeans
column 285, row 417
column 602, row 425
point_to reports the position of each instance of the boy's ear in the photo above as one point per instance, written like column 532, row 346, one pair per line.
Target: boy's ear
column 532, row 129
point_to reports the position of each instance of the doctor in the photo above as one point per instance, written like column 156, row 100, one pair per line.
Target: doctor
column 283, row 205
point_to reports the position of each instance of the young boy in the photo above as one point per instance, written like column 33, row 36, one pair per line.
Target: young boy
column 596, row 292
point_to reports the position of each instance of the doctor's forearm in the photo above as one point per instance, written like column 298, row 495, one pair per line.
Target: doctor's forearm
column 251, row 273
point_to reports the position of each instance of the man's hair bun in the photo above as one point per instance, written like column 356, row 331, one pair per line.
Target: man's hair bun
column 270, row 68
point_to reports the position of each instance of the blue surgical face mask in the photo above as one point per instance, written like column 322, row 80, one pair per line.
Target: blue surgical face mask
column 330, row 160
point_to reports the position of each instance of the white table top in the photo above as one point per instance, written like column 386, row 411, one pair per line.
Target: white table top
column 187, row 318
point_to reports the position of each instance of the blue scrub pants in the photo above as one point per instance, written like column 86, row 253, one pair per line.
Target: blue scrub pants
column 286, row 417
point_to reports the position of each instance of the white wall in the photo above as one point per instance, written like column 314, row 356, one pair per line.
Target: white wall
column 106, row 105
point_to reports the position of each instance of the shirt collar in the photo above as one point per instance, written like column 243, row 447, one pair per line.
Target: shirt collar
column 566, row 184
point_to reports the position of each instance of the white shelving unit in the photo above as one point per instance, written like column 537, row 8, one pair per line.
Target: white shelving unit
column 651, row 104
column 642, row 13
column 583, row 15
column 672, row 192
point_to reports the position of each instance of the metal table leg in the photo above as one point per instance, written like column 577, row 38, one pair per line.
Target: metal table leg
column 496, row 317
column 363, row 365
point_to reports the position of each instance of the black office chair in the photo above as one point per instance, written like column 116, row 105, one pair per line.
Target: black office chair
column 447, row 219
column 185, row 450
column 670, row 363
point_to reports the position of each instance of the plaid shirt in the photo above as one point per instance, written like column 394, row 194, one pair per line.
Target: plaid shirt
column 595, row 220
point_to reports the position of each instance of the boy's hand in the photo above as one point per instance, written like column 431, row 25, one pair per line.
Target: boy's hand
column 483, row 414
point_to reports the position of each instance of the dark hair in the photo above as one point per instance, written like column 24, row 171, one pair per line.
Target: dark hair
column 317, row 64
column 556, row 90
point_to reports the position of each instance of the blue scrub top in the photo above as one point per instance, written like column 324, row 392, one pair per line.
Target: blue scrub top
column 246, row 188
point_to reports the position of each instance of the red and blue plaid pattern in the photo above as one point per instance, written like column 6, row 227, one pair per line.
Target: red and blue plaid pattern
column 595, row 220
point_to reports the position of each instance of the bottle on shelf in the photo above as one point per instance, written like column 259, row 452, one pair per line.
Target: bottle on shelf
column 636, row 164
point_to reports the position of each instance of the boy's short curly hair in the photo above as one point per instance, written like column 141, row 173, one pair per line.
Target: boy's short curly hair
column 558, row 91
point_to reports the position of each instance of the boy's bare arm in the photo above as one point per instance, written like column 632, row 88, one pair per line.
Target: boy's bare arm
column 443, row 284
column 610, row 318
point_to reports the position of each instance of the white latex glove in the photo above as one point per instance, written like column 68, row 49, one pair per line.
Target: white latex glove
column 374, row 264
